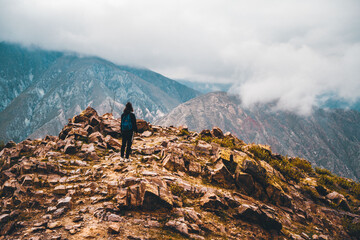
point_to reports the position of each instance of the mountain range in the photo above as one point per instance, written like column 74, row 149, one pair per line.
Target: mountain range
column 328, row 138
column 40, row 90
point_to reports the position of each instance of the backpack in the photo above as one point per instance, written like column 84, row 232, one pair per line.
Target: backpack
column 126, row 124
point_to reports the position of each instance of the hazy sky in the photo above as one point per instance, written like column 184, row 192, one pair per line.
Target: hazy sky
column 290, row 50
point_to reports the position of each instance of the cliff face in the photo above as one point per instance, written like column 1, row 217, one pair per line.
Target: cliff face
column 177, row 184
column 327, row 138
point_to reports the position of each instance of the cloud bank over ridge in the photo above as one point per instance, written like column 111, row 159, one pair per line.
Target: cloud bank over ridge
column 289, row 51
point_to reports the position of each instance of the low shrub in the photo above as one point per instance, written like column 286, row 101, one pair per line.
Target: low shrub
column 352, row 227
column 288, row 170
column 302, row 164
column 311, row 192
column 323, row 171
column 327, row 181
column 184, row 132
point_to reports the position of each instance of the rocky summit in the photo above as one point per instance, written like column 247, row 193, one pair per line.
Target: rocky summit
column 178, row 184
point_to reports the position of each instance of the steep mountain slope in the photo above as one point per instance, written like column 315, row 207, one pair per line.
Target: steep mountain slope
column 70, row 83
column 19, row 68
column 178, row 185
column 328, row 138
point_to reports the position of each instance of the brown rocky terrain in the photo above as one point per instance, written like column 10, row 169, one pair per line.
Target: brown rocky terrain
column 177, row 185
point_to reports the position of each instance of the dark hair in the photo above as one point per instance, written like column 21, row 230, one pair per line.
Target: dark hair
column 128, row 107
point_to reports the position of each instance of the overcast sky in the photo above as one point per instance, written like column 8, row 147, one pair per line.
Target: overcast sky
column 287, row 50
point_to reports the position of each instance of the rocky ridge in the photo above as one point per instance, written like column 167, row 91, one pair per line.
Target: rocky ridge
column 178, row 184
column 327, row 138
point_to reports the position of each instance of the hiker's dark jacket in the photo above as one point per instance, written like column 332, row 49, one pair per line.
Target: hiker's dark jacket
column 133, row 120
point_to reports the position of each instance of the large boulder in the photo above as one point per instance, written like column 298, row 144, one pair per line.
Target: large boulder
column 173, row 162
column 222, row 176
column 84, row 116
column 264, row 216
column 339, row 200
column 142, row 125
column 204, row 147
column 112, row 143
column 149, row 194
column 111, row 127
column 212, row 201
column 255, row 169
column 244, row 181
column 216, row 132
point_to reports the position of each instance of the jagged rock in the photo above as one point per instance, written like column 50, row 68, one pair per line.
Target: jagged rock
column 339, row 199
column 115, row 218
column 59, row 212
column 112, row 143
column 194, row 168
column 254, row 214
column 87, row 148
column 85, row 115
column 78, row 218
column 94, row 121
column 10, row 144
column 148, row 195
column 179, row 226
column 52, row 225
column 70, row 148
column 222, row 176
column 78, row 133
column 244, row 181
column 156, row 196
column 27, row 181
column 60, row 190
column 149, row 150
column 64, row 202
column 205, row 132
column 212, row 201
column 204, row 147
column 146, row 134
column 192, row 216
column 96, row 137
column 4, row 218
column 9, row 187
column 114, row 228
column 111, row 127
column 216, row 132
column 255, row 169
column 172, row 162
column 142, row 125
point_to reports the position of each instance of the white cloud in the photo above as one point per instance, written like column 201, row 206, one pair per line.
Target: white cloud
column 290, row 51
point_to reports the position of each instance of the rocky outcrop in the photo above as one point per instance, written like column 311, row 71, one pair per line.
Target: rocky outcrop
column 177, row 183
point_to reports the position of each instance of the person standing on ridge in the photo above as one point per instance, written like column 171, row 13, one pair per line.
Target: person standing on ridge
column 128, row 127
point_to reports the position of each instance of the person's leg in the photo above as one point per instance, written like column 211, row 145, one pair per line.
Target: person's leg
column 128, row 145
column 123, row 144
